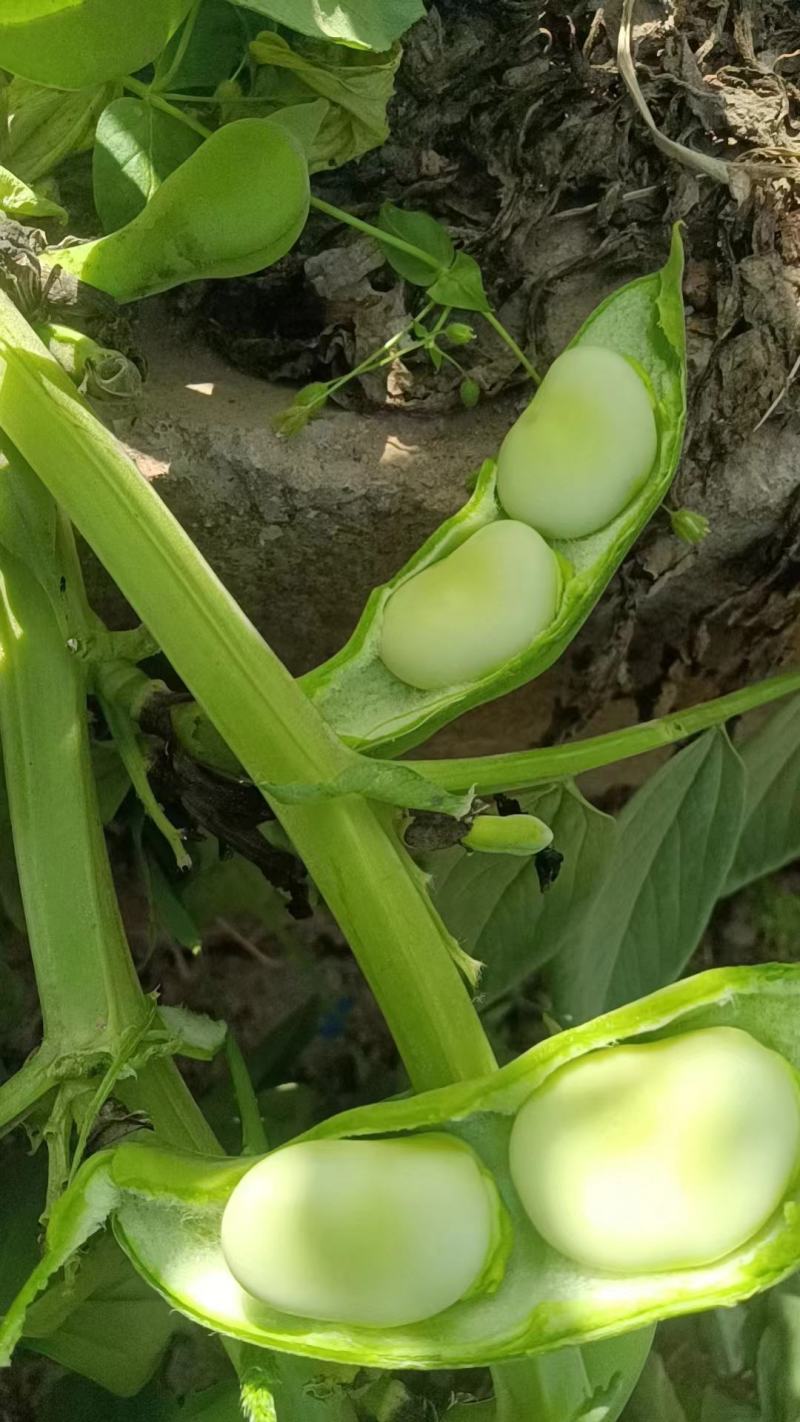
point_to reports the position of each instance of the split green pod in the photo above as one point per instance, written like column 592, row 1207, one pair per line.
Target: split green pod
column 237, row 204
column 498, row 592
column 635, row 1167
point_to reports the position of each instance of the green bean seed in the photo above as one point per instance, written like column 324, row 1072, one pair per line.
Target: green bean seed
column 380, row 1233
column 582, row 449
column 474, row 610
column 666, row 1156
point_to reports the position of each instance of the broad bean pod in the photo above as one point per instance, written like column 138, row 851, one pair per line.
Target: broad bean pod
column 630, row 350
column 716, row 1060
column 73, row 44
column 237, row 204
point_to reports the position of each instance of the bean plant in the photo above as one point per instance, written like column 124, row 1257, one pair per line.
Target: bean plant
column 641, row 1160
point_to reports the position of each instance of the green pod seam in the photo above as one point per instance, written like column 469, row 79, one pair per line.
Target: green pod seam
column 237, row 204
column 167, row 1208
column 375, row 711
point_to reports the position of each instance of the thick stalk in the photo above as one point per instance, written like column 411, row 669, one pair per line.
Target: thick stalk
column 88, row 989
column 87, row 985
column 350, row 847
column 518, row 770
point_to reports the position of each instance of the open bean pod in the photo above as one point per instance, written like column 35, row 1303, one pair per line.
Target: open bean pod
column 703, row 1207
column 373, row 708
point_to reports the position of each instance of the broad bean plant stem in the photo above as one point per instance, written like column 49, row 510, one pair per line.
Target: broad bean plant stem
column 519, row 770
column 89, row 992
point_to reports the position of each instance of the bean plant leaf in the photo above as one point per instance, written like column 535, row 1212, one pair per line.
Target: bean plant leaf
column 778, row 1358
column 364, row 24
column 770, row 834
column 421, row 231
column 73, row 44
column 494, row 906
column 461, row 285
column 136, row 147
column 381, row 780
column 654, row 1398
column 304, row 122
column 18, row 200
column 212, row 52
column 357, row 85
column 47, row 125
column 375, row 710
column 106, row 1323
column 674, row 847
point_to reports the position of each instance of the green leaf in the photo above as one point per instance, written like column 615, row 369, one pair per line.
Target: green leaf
column 229, row 887
column 654, row 1398
column 18, row 200
column 365, row 24
column 357, row 85
column 105, row 1322
column 770, row 834
column 79, row 1400
column 192, row 1034
column 675, row 843
column 136, row 147
column 72, row 44
column 383, row 780
column 421, row 231
column 110, row 777
column 495, row 908
column 216, row 48
column 461, row 285
column 718, row 1407
column 304, row 121
column 778, row 1361
column 46, row 125
column 22, row 1200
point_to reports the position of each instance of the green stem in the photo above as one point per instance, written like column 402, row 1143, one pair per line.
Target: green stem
column 143, row 91
column 89, row 992
column 387, row 239
column 518, row 770
column 498, row 327
column 350, row 847
column 87, row 985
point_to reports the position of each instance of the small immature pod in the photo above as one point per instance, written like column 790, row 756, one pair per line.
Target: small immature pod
column 379, row 1233
column 582, row 449
column 636, row 1159
column 474, row 610
column 508, row 834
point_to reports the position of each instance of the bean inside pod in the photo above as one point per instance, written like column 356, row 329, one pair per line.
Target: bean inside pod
column 381, row 1233
column 583, row 447
column 670, row 1155
column 474, row 610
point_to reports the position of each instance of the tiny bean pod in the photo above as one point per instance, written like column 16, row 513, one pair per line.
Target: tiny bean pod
column 508, row 834
column 582, row 449
column 237, row 204
column 380, row 1233
column 474, row 610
